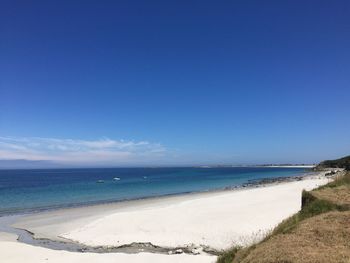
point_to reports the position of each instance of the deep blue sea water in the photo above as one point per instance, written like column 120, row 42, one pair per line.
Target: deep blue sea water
column 31, row 190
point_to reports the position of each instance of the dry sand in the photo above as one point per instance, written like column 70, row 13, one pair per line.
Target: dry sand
column 218, row 221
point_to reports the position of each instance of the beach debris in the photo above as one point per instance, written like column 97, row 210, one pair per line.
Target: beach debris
column 179, row 251
column 170, row 252
column 196, row 251
column 331, row 173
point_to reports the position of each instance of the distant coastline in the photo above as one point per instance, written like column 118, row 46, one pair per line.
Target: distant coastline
column 306, row 166
column 22, row 164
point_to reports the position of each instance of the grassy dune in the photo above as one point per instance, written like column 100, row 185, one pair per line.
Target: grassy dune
column 320, row 232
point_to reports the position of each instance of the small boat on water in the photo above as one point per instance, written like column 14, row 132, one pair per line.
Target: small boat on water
column 100, row 181
column 116, row 178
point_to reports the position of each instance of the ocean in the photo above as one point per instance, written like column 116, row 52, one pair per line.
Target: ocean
column 24, row 191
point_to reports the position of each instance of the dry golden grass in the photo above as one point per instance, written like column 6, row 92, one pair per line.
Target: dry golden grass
column 323, row 238
column 339, row 195
column 336, row 192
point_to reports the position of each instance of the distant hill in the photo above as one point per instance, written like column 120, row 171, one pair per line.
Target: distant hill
column 338, row 163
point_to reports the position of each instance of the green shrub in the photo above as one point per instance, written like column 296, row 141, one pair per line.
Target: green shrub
column 228, row 256
column 338, row 163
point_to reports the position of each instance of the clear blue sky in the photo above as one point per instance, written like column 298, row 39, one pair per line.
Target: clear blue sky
column 174, row 82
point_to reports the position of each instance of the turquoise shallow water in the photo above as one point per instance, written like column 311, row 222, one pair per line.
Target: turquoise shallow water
column 32, row 190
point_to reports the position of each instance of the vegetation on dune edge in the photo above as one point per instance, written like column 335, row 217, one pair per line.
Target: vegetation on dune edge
column 319, row 232
column 338, row 163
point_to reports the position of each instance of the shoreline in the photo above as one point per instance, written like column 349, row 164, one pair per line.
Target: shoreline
column 249, row 184
column 94, row 211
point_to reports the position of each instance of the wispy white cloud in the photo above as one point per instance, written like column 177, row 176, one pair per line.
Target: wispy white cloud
column 70, row 151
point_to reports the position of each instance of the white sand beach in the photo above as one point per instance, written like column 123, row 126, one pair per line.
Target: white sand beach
column 215, row 220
